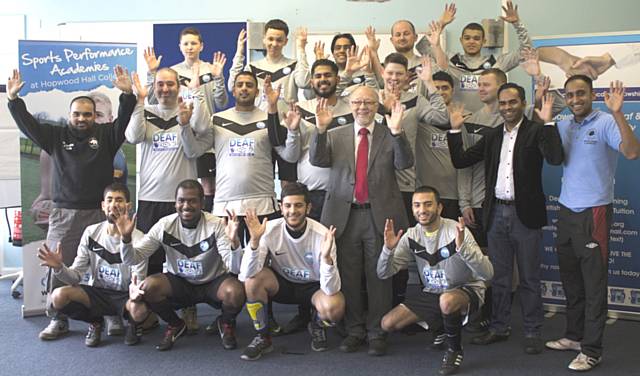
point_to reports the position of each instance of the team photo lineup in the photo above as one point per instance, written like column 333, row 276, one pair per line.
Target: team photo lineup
column 410, row 194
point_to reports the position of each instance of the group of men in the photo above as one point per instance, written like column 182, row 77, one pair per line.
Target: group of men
column 430, row 163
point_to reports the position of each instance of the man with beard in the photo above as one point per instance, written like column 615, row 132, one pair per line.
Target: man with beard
column 99, row 253
column 303, row 270
column 592, row 141
column 452, row 270
column 514, row 206
column 82, row 155
column 201, row 249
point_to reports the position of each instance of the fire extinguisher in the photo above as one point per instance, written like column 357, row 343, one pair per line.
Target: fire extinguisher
column 17, row 228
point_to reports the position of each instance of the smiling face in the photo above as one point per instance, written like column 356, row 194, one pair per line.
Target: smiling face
column 426, row 209
column 191, row 46
column 166, row 87
column 511, row 106
column 340, row 51
column 189, row 206
column 488, row 88
column 445, row 90
column 394, row 75
column 472, row 41
column 114, row 202
column 295, row 210
column 364, row 105
column 82, row 115
column 274, row 41
column 324, row 81
column 403, row 37
column 245, row 90
column 579, row 98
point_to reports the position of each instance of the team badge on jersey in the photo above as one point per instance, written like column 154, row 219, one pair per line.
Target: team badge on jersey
column 204, row 246
column 93, row 143
column 342, row 120
column 286, row 70
column 308, row 257
column 261, row 125
column 67, row 146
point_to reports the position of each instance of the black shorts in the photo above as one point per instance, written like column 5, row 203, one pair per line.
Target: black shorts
column 294, row 293
column 427, row 305
column 105, row 302
column 206, row 165
column 186, row 294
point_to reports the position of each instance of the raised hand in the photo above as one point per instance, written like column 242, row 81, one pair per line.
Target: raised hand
column 185, row 110
column 394, row 122
column 355, row 61
column 232, row 223
column 460, row 232
column 327, row 245
column 433, row 34
column 318, row 50
column 255, row 227
column 448, row 15
column 510, row 13
column 391, row 238
column 242, row 39
column 425, row 73
column 324, row 115
column 372, row 42
column 50, row 259
column 390, row 96
column 14, row 84
column 135, row 292
column 123, row 80
column 292, row 118
column 456, row 115
column 543, row 83
column 272, row 94
column 124, row 223
column 139, row 89
column 153, row 63
column 545, row 113
column 530, row 61
column 217, row 66
column 469, row 217
column 614, row 99
column 301, row 38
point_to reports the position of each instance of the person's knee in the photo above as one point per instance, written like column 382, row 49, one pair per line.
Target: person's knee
column 449, row 303
column 137, row 311
column 60, row 297
column 233, row 294
column 389, row 323
column 153, row 287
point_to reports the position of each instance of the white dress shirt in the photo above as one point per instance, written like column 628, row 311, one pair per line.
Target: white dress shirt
column 504, row 184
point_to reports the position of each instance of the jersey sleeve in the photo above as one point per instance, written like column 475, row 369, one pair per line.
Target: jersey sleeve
column 330, row 282
column 392, row 261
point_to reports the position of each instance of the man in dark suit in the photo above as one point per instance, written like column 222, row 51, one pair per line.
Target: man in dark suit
column 362, row 194
column 514, row 205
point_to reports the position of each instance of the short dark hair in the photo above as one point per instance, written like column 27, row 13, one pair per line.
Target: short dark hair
column 397, row 58
column 191, row 31
column 190, row 184
column 429, row 189
column 295, row 189
column 499, row 73
column 582, row 78
column 248, row 73
column 511, row 85
column 443, row 76
column 117, row 187
column 473, row 26
column 413, row 28
column 277, row 24
column 324, row 63
column 167, row 69
column 340, row 36
column 83, row 98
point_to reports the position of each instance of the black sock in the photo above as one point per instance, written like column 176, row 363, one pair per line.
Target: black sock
column 208, row 203
column 164, row 309
column 229, row 314
column 78, row 311
column 453, row 329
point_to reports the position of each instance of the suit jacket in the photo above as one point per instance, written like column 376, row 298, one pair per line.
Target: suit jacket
column 387, row 153
column 534, row 142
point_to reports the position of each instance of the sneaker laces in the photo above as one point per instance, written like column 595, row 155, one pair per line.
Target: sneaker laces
column 318, row 332
column 258, row 341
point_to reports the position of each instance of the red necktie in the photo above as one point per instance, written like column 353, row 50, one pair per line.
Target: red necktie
column 362, row 163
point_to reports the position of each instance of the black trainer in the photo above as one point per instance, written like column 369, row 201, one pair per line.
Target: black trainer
column 451, row 362
column 133, row 334
column 227, row 333
column 318, row 336
column 259, row 346
column 171, row 335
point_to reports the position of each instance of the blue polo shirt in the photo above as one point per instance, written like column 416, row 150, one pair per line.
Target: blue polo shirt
column 590, row 160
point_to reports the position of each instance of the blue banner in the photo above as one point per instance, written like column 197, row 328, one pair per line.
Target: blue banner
column 71, row 66
column 624, row 263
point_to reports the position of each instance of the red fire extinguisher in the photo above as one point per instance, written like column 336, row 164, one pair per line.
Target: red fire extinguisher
column 17, row 228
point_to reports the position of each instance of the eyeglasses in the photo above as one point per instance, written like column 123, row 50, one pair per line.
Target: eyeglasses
column 358, row 103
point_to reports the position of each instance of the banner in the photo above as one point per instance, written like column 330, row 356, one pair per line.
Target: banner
column 606, row 58
column 54, row 73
